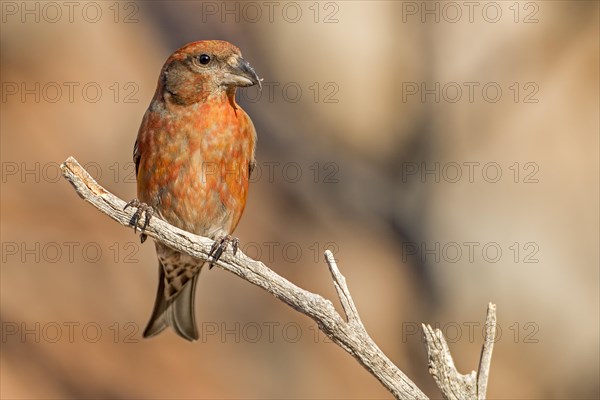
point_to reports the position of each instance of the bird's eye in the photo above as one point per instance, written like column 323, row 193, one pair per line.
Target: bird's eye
column 204, row 59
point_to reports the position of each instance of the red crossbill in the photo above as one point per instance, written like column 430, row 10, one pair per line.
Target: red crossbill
column 193, row 155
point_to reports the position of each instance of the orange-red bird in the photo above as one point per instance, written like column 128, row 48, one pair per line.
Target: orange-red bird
column 194, row 154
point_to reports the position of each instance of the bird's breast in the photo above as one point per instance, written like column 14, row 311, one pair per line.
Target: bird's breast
column 194, row 166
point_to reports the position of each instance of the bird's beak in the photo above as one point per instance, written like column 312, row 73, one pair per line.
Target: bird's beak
column 241, row 74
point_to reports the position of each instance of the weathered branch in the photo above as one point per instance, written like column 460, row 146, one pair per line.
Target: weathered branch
column 453, row 385
column 486, row 352
column 342, row 290
column 349, row 333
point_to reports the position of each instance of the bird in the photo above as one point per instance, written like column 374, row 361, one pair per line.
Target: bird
column 194, row 153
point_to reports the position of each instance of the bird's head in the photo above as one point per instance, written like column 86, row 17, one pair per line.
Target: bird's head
column 201, row 69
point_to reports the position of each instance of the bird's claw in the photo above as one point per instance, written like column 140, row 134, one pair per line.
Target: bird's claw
column 219, row 247
column 142, row 208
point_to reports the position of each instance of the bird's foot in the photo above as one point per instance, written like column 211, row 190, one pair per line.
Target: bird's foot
column 142, row 208
column 219, row 247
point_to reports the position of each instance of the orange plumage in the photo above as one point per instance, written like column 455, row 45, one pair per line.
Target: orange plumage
column 194, row 154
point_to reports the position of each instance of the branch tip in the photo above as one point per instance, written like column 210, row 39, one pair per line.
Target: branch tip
column 486, row 352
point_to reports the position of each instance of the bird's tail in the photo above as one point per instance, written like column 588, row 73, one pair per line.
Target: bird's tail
column 177, row 312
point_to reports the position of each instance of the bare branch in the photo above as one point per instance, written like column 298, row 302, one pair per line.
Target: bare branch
column 486, row 352
column 351, row 335
column 453, row 385
column 342, row 290
column 348, row 333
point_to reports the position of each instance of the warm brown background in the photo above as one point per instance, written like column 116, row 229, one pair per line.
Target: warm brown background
column 548, row 311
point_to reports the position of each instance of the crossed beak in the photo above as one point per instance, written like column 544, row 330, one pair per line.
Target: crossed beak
column 241, row 74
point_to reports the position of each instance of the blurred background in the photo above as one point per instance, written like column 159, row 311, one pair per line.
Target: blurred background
column 446, row 152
